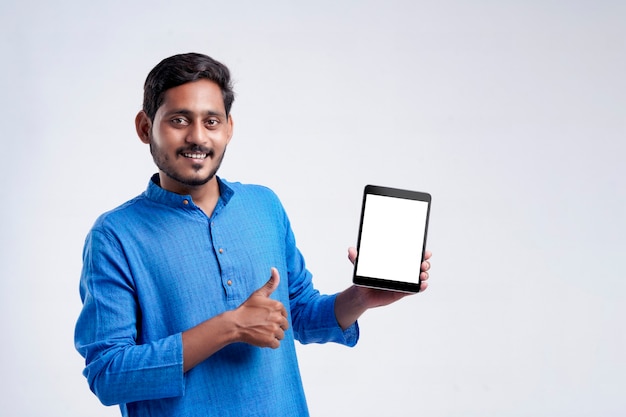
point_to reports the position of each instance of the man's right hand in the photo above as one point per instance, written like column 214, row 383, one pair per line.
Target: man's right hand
column 260, row 320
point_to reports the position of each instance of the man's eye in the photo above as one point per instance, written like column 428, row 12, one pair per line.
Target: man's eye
column 212, row 122
column 179, row 121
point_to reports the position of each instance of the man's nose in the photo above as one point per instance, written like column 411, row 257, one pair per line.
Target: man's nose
column 196, row 134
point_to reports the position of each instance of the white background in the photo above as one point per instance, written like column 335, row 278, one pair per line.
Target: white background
column 510, row 113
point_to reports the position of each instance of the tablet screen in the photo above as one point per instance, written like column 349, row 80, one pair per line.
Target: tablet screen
column 392, row 238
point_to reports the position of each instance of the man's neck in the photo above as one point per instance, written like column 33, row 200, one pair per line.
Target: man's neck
column 204, row 196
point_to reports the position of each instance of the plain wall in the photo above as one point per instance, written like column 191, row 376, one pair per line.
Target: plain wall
column 512, row 114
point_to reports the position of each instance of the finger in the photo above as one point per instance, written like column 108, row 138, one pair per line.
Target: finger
column 352, row 254
column 274, row 343
column 427, row 255
column 271, row 284
column 280, row 334
column 425, row 266
column 283, row 311
column 424, row 276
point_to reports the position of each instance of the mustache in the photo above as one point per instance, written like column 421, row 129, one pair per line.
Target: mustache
column 195, row 149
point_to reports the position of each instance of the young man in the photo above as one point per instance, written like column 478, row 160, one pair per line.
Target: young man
column 178, row 311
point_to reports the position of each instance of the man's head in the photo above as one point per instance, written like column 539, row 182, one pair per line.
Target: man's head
column 186, row 120
column 180, row 69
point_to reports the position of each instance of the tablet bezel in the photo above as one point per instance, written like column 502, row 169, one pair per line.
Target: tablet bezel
column 371, row 282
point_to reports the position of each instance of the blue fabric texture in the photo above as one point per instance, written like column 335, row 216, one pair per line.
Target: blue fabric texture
column 157, row 266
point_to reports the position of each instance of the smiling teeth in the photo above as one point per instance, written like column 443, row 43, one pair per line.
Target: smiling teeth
column 195, row 155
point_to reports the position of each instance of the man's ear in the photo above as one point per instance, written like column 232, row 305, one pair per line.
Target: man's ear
column 230, row 127
column 143, row 126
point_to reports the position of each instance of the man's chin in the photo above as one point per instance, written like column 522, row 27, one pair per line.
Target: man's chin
column 194, row 181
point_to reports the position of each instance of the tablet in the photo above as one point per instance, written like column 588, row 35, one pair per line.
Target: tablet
column 392, row 238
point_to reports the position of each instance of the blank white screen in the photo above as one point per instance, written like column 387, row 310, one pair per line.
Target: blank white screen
column 392, row 238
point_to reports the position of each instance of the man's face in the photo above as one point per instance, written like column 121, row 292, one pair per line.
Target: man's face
column 189, row 135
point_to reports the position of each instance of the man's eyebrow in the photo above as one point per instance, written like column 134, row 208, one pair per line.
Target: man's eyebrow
column 187, row 112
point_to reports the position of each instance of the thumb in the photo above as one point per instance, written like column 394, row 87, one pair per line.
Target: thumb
column 271, row 284
column 352, row 254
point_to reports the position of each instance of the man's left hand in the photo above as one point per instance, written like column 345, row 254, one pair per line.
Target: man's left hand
column 371, row 297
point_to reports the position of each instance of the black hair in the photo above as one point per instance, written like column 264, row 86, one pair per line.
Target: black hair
column 181, row 69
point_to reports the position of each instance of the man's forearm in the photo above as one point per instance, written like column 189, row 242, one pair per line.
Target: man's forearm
column 354, row 301
column 205, row 339
column 349, row 306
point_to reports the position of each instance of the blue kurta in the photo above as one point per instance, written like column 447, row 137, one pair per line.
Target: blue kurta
column 157, row 266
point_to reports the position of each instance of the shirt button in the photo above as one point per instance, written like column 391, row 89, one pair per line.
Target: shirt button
column 229, row 282
column 221, row 250
column 185, row 202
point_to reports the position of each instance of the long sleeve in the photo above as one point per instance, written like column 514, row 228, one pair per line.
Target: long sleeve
column 120, row 370
column 313, row 314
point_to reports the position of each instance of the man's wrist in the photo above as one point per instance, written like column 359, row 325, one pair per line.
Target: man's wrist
column 349, row 306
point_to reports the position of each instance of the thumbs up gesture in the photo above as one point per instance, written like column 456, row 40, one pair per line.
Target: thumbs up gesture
column 261, row 321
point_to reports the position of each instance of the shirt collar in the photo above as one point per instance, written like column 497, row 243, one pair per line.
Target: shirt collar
column 156, row 193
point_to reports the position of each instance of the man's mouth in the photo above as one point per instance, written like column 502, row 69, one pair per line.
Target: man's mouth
column 195, row 155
